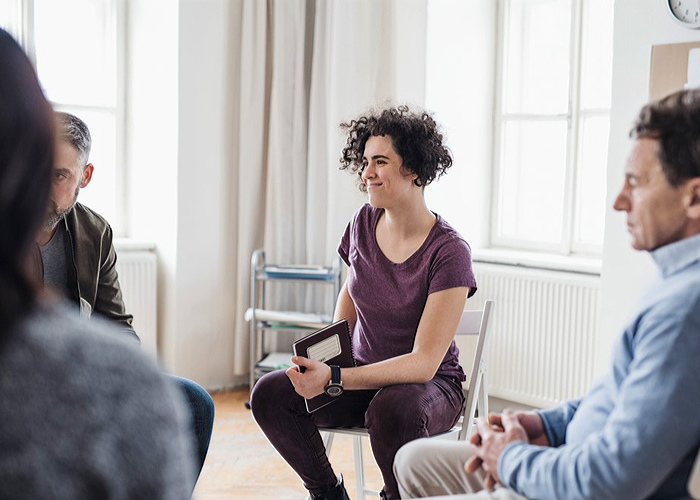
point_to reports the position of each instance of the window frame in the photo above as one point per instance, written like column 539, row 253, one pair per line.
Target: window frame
column 575, row 117
column 23, row 29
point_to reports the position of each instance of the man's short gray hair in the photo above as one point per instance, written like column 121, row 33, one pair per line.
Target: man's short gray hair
column 74, row 131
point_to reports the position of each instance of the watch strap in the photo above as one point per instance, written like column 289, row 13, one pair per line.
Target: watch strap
column 335, row 374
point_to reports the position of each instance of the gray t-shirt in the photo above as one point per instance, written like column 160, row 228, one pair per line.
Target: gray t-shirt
column 83, row 415
column 55, row 260
column 389, row 297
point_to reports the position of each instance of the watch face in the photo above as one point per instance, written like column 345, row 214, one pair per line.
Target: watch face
column 334, row 390
column 685, row 12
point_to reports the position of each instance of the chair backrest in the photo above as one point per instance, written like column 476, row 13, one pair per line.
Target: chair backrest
column 471, row 323
column 694, row 481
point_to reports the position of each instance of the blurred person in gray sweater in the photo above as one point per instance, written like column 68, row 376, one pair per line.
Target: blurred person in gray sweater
column 84, row 415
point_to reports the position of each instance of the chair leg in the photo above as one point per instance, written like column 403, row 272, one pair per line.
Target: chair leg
column 359, row 467
column 477, row 400
column 483, row 397
column 328, row 442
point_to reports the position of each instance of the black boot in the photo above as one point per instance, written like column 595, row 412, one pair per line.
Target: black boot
column 336, row 492
column 382, row 495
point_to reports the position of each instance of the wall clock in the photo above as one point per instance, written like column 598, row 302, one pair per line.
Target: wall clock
column 685, row 12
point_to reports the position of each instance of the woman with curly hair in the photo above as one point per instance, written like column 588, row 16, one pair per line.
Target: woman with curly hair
column 409, row 277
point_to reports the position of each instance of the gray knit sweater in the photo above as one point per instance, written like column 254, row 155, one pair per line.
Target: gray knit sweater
column 83, row 415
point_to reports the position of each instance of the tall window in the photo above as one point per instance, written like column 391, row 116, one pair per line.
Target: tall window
column 76, row 46
column 552, row 122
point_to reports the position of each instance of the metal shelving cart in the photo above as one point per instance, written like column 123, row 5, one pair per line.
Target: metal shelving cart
column 261, row 319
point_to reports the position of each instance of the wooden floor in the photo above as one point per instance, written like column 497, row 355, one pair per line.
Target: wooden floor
column 242, row 464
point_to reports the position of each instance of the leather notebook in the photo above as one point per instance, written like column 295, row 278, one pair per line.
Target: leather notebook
column 331, row 345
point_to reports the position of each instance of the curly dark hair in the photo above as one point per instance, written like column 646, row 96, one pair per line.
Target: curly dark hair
column 416, row 137
column 675, row 122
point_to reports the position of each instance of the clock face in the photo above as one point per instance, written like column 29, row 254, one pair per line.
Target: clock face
column 685, row 12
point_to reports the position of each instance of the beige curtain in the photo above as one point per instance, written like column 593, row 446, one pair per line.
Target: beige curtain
column 303, row 66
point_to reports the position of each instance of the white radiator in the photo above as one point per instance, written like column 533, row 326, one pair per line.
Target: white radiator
column 137, row 277
column 541, row 343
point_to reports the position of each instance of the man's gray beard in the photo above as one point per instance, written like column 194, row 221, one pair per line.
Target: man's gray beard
column 55, row 216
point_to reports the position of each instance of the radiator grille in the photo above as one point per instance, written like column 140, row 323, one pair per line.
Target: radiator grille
column 542, row 334
column 137, row 277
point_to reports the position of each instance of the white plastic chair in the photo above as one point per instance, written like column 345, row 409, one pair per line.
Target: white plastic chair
column 471, row 323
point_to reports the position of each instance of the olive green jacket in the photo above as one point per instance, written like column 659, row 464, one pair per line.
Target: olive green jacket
column 92, row 274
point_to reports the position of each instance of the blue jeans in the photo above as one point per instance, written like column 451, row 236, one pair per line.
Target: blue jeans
column 201, row 410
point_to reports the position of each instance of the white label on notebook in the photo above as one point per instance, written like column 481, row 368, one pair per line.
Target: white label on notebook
column 325, row 350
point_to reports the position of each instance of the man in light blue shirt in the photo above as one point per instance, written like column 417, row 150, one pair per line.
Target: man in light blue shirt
column 636, row 433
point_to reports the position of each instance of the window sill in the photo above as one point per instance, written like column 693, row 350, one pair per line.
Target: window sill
column 133, row 245
column 538, row 260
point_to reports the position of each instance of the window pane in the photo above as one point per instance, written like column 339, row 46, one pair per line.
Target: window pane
column 76, row 50
column 531, row 197
column 596, row 52
column 590, row 206
column 100, row 194
column 536, row 70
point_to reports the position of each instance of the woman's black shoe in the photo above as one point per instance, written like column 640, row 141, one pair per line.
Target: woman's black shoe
column 336, row 492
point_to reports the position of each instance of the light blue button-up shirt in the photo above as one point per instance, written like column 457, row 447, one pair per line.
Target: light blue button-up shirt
column 636, row 433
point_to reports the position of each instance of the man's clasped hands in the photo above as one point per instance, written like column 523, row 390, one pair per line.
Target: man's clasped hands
column 495, row 433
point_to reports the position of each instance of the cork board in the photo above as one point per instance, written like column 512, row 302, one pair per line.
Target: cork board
column 669, row 68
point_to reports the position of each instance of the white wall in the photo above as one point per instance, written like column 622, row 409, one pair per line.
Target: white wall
column 410, row 56
column 461, row 49
column 177, row 164
column 205, row 291
column 639, row 24
column 152, row 138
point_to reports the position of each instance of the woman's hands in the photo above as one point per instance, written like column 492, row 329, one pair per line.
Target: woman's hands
column 312, row 382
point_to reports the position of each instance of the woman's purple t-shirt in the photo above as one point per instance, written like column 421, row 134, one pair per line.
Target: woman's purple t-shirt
column 389, row 298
